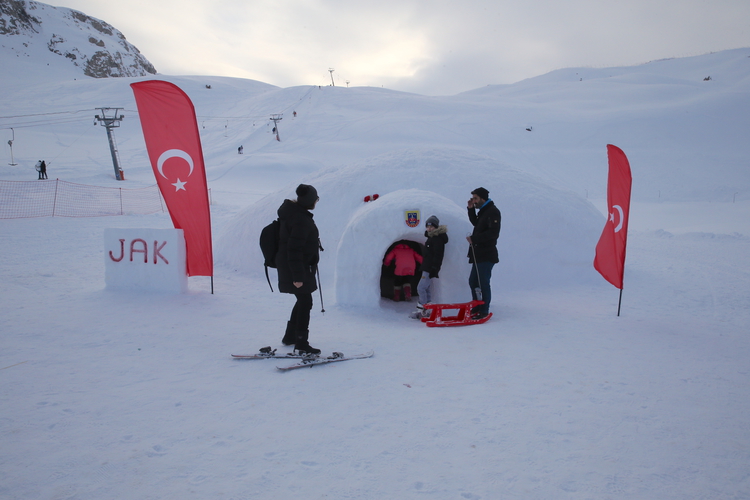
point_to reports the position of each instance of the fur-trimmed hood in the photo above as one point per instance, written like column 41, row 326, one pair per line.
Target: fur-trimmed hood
column 438, row 231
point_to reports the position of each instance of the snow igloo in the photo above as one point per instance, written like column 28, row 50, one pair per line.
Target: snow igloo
column 548, row 234
column 379, row 225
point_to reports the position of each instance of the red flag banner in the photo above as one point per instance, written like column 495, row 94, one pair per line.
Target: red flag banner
column 173, row 143
column 610, row 251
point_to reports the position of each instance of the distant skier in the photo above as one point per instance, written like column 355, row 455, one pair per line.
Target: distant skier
column 41, row 168
column 437, row 237
column 406, row 259
column 240, row 150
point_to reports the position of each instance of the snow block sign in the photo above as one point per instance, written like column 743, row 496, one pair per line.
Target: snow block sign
column 411, row 217
column 145, row 259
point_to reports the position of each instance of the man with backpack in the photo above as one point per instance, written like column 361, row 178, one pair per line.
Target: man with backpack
column 297, row 262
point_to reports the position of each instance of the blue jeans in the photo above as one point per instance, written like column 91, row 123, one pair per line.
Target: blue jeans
column 482, row 280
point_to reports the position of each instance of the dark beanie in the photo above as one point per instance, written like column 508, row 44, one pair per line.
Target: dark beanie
column 306, row 195
column 432, row 221
column 482, row 193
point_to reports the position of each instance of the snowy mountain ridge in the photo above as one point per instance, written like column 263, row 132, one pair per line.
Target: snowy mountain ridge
column 61, row 37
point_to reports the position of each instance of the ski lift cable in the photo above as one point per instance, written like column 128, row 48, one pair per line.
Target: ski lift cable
column 86, row 131
column 48, row 114
column 39, row 123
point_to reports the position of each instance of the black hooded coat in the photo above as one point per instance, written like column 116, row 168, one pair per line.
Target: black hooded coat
column 486, row 224
column 299, row 247
column 434, row 250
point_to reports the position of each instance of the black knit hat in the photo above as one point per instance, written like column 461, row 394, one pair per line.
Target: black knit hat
column 432, row 221
column 306, row 196
column 482, row 193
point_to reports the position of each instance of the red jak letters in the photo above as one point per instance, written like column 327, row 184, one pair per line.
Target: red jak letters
column 139, row 245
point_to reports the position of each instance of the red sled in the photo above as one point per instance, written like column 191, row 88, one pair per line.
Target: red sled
column 461, row 318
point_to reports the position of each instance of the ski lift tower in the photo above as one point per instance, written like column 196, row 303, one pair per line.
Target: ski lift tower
column 110, row 120
column 331, row 70
column 10, row 143
column 276, row 119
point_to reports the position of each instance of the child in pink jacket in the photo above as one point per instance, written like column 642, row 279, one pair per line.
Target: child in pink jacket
column 406, row 265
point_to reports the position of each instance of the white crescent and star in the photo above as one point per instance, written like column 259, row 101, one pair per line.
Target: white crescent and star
column 175, row 153
column 618, row 208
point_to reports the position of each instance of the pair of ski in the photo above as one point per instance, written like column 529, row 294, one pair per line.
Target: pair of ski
column 305, row 360
column 437, row 315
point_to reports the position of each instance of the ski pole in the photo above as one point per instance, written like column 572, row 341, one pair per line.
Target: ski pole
column 477, row 291
column 320, row 289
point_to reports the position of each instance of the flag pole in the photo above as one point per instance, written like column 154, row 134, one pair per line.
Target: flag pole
column 622, row 287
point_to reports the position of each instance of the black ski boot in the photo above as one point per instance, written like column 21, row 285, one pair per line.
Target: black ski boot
column 306, row 349
column 302, row 346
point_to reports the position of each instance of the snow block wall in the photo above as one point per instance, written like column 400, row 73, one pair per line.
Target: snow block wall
column 145, row 259
column 548, row 233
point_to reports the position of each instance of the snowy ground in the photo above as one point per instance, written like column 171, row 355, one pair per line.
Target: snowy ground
column 126, row 395
column 109, row 394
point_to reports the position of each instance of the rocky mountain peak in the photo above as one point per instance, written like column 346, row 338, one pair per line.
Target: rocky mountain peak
column 34, row 30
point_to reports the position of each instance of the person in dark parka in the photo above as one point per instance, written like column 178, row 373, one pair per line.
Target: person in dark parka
column 297, row 263
column 434, row 250
column 482, row 247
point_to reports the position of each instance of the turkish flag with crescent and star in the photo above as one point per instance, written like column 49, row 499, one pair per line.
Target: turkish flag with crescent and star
column 610, row 251
column 173, row 143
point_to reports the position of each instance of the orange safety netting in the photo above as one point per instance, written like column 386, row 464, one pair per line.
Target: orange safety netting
column 20, row 199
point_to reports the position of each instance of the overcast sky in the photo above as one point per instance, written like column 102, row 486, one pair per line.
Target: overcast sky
column 431, row 47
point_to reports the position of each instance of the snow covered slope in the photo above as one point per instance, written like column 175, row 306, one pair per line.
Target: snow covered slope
column 683, row 135
column 133, row 395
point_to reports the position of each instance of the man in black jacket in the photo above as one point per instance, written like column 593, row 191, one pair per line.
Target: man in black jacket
column 482, row 247
column 297, row 263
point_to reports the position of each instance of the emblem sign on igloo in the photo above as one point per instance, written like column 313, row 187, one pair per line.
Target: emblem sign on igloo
column 145, row 259
column 411, row 217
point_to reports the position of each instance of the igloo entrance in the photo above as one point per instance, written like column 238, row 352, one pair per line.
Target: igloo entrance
column 388, row 279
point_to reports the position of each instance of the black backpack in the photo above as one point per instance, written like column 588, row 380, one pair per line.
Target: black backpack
column 269, row 246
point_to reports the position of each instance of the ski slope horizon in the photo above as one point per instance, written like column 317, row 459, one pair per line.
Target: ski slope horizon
column 131, row 394
column 666, row 105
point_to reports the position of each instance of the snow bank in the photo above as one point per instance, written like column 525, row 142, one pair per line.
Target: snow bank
column 548, row 234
